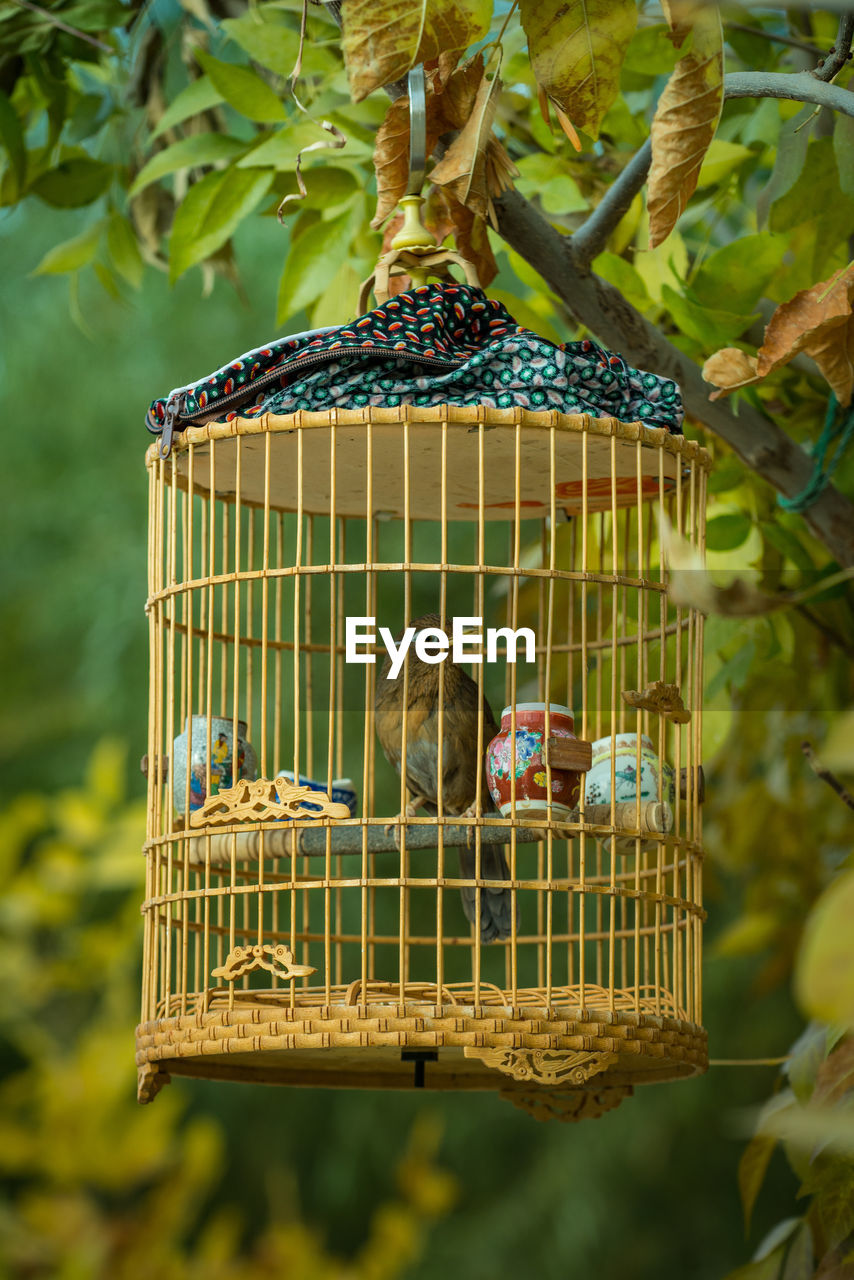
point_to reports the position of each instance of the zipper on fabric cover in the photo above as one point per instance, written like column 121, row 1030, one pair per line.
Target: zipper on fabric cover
column 315, row 357
column 174, row 407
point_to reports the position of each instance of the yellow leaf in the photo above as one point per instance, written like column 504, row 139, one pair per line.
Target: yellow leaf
column 720, row 160
column 684, row 124
column 838, row 750
column 382, row 41
column 577, row 50
column 824, row 975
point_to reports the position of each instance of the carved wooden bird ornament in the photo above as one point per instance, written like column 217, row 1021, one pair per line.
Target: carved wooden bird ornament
column 460, row 764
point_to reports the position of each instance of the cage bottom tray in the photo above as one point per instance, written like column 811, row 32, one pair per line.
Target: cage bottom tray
column 514, row 1049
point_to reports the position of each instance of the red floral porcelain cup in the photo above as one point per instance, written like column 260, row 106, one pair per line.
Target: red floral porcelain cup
column 529, row 765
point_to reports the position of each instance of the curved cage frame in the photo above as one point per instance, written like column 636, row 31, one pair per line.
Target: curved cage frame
column 298, row 946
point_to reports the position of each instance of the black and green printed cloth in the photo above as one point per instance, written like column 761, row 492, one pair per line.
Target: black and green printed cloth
column 436, row 344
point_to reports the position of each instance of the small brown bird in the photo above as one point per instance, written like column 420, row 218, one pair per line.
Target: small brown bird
column 460, row 764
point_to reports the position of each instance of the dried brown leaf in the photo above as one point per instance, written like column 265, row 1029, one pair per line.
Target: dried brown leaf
column 729, row 369
column 457, row 101
column 680, row 16
column 817, row 321
column 577, row 50
column 463, row 167
column 833, row 352
column 835, row 1075
column 567, row 126
column 500, row 169
column 382, row 41
column 470, row 236
column 684, row 124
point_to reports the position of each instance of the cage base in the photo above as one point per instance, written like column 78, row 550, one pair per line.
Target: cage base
column 372, row 1047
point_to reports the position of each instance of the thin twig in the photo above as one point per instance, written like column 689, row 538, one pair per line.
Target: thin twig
column 772, row 35
column 841, row 51
column 749, row 1062
column 64, row 26
column 828, row 632
column 821, row 771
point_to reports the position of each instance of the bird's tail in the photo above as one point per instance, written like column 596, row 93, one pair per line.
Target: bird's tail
column 496, row 905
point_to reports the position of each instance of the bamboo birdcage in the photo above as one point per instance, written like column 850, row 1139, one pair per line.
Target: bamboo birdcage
column 324, row 950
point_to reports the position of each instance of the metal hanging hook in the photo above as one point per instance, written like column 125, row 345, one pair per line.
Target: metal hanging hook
column 417, row 130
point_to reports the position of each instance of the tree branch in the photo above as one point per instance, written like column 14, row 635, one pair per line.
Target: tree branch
column 772, row 35
column 800, row 86
column 760, row 443
column 841, row 51
column 592, row 236
column 821, row 771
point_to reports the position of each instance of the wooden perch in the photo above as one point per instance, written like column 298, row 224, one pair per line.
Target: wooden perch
column 656, row 818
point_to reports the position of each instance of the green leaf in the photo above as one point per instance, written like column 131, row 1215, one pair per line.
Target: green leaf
column 788, row 544
column 621, row 274
column 108, row 282
column 765, row 1269
column 211, row 212
column 95, row 15
column 312, row 264
column 12, row 137
column 824, row 974
column 799, row 1259
column 843, row 146
column 815, row 197
column 735, row 277
column 577, row 50
column 124, row 251
column 72, row 254
column 791, row 156
column 269, row 41
column 242, row 89
column 725, row 533
column 73, row 183
column 280, row 149
column 710, row 327
column 734, row 671
column 651, row 52
column 752, row 1168
column 544, row 176
column 199, row 148
column 196, row 97
column 722, row 159
column 779, row 1234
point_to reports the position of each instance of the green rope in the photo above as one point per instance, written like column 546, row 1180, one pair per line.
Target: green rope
column 843, row 430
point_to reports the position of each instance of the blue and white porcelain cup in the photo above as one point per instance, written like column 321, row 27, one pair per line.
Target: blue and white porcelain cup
column 342, row 790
